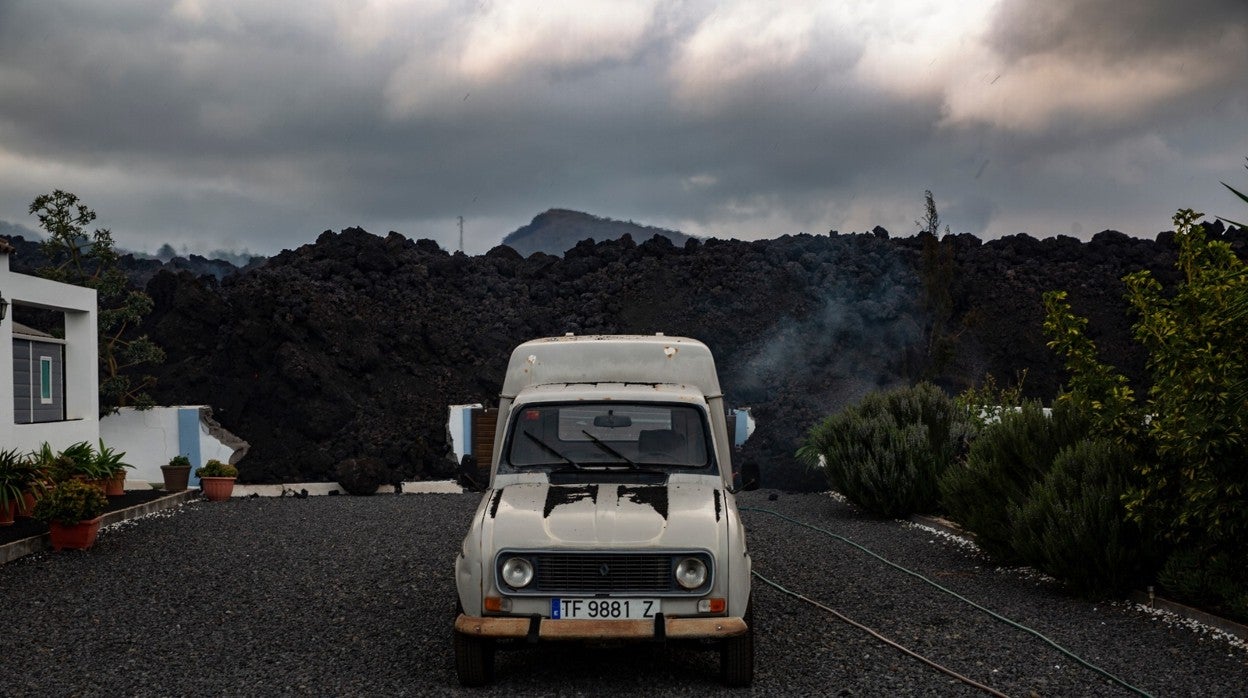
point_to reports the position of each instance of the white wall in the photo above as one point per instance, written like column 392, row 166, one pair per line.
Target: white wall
column 455, row 429
column 82, row 397
column 149, row 438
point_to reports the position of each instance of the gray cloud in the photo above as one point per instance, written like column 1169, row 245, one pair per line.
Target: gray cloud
column 257, row 125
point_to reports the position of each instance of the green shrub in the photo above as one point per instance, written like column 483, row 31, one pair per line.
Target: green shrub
column 362, row 476
column 1216, row 582
column 887, row 453
column 1073, row 525
column 1006, row 460
column 70, row 502
column 215, row 468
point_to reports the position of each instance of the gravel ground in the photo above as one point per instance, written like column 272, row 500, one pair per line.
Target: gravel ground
column 347, row 596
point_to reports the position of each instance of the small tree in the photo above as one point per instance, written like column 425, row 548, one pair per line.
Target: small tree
column 937, row 276
column 1186, row 443
column 91, row 261
column 1197, row 357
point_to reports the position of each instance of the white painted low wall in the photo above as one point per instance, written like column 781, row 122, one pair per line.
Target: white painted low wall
column 150, row 438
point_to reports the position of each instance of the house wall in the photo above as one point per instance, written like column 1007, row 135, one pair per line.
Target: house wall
column 82, row 401
column 149, row 438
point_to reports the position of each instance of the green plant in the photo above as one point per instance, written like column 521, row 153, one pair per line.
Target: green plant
column 1005, row 461
column 1211, row 582
column 180, row 461
column 937, row 272
column 215, row 468
column 108, row 460
column 70, row 502
column 1072, row 524
column 18, row 473
column 1190, row 449
column 76, row 461
column 1194, row 490
column 887, row 453
column 983, row 404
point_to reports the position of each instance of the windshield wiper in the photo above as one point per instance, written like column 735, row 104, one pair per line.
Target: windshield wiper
column 603, row 445
column 551, row 449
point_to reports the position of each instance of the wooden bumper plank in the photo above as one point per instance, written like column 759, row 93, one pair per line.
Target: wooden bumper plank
column 677, row 628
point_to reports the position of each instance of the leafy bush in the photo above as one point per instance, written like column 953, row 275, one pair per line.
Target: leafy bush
column 215, row 468
column 1216, row 583
column 1188, row 437
column 179, row 461
column 1006, row 460
column 1073, row 525
column 1198, row 358
column 362, row 476
column 887, row 453
column 70, row 502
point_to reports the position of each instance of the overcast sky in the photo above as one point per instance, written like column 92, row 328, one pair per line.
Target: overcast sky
column 245, row 124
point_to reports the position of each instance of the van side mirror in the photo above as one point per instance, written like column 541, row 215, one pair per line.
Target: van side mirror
column 470, row 475
column 747, row 477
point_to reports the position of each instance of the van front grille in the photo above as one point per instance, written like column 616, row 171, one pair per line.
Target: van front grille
column 589, row 573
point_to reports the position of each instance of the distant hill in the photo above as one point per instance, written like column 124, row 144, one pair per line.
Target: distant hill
column 558, row 230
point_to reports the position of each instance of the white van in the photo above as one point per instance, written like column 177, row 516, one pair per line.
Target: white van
column 610, row 512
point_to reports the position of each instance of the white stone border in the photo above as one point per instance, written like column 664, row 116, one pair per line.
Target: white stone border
column 319, row 489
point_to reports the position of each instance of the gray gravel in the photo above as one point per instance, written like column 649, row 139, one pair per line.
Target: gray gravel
column 347, row 596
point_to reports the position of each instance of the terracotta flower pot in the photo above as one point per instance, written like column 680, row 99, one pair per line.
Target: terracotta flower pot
column 217, row 489
column 176, row 477
column 116, row 485
column 8, row 511
column 26, row 507
column 79, row 536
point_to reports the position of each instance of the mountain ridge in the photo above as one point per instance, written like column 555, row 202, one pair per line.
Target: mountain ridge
column 558, row 230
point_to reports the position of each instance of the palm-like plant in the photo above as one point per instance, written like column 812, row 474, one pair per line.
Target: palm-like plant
column 108, row 460
column 18, row 474
column 74, row 462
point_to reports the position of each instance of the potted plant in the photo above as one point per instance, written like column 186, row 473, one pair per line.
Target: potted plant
column 42, row 462
column 176, row 473
column 78, row 462
column 216, row 480
column 19, row 477
column 109, row 461
column 73, row 510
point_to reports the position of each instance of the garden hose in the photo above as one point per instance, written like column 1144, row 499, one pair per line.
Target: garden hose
column 841, row 616
column 958, row 596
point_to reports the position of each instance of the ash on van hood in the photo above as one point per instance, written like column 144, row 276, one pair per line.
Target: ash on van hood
column 535, row 516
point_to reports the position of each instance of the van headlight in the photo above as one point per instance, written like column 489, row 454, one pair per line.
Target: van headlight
column 517, row 572
column 691, row 573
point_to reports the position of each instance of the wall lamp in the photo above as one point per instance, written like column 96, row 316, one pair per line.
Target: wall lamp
column 4, row 307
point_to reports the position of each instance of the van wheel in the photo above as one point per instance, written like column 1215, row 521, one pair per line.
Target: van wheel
column 736, row 655
column 474, row 660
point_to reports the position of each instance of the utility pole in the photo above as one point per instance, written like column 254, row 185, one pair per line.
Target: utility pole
column 461, row 233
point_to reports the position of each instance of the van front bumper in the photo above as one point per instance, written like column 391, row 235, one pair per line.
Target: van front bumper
column 539, row 628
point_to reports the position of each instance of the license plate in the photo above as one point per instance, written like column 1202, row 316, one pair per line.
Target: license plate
column 604, row 609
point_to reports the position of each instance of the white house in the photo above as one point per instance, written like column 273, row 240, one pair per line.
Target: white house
column 48, row 386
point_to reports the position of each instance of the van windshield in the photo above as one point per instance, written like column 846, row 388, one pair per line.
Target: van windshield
column 608, row 433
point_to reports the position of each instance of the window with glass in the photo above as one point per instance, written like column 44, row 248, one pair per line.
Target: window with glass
column 609, row 434
column 45, row 379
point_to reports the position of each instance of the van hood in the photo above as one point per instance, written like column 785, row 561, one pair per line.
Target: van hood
column 536, row 516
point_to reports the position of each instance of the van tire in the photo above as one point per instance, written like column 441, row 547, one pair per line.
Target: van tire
column 736, row 655
column 474, row 660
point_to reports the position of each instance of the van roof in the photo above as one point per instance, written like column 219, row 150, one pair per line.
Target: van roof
column 612, row 359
